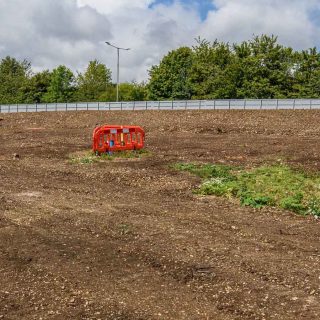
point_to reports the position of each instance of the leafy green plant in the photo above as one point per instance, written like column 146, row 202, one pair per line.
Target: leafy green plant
column 256, row 201
column 294, row 203
column 314, row 207
column 277, row 185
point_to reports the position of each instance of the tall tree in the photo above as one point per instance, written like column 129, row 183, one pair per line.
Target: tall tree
column 169, row 80
column 93, row 82
column 14, row 76
column 307, row 74
column 37, row 87
column 211, row 75
column 265, row 68
column 62, row 86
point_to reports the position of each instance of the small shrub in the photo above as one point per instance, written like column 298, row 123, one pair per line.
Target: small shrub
column 256, row 201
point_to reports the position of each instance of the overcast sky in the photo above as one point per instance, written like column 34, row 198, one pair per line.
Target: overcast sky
column 73, row 32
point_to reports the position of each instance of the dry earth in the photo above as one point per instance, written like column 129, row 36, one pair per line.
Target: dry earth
column 129, row 240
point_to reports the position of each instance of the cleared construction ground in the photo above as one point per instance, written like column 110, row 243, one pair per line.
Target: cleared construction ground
column 128, row 239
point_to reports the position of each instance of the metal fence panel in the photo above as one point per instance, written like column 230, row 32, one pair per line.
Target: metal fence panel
column 220, row 104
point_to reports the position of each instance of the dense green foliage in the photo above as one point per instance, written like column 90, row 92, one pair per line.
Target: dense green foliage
column 258, row 68
column 169, row 80
column 93, row 82
column 127, row 92
column 61, row 87
column 19, row 85
column 14, row 80
column 276, row 185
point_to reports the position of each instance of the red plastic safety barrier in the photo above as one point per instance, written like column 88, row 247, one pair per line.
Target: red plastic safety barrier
column 117, row 138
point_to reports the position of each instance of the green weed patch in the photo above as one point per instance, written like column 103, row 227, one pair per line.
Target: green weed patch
column 90, row 157
column 278, row 186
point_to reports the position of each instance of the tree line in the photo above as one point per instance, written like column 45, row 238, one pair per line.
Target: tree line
column 18, row 84
column 260, row 68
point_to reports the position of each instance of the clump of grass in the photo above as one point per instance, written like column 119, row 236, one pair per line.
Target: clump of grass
column 90, row 157
column 206, row 171
column 125, row 229
column 84, row 158
column 277, row 185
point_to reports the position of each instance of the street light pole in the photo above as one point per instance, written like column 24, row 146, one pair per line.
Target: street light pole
column 118, row 65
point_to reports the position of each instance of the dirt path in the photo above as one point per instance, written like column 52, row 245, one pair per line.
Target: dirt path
column 129, row 240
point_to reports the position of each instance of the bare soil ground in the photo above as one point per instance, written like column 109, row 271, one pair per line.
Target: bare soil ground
column 129, row 240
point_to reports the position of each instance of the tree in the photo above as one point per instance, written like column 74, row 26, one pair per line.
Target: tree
column 211, row 75
column 132, row 91
column 37, row 87
column 169, row 80
column 259, row 68
column 128, row 91
column 62, row 86
column 93, row 82
column 307, row 74
column 14, row 76
column 264, row 68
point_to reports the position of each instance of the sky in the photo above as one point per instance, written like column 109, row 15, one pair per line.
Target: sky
column 73, row 32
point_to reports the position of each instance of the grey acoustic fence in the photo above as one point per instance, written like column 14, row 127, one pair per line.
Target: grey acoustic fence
column 264, row 104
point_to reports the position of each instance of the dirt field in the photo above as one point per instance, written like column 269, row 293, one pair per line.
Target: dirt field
column 129, row 240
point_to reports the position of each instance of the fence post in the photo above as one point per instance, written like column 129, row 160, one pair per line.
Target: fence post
column 294, row 104
column 36, row 107
column 66, row 106
column 26, row 108
column 17, row 108
column 134, row 105
column 56, row 107
column 229, row 104
column 46, row 107
column 310, row 104
column 109, row 106
column 261, row 104
column 244, row 104
column 121, row 105
column 277, row 104
column 98, row 106
column 172, row 105
column 186, row 105
column 200, row 104
column 87, row 106
column 9, row 108
column 146, row 105
column 159, row 105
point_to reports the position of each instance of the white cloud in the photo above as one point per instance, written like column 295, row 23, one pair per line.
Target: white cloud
column 72, row 32
column 149, row 32
column 236, row 20
column 50, row 32
column 115, row 6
